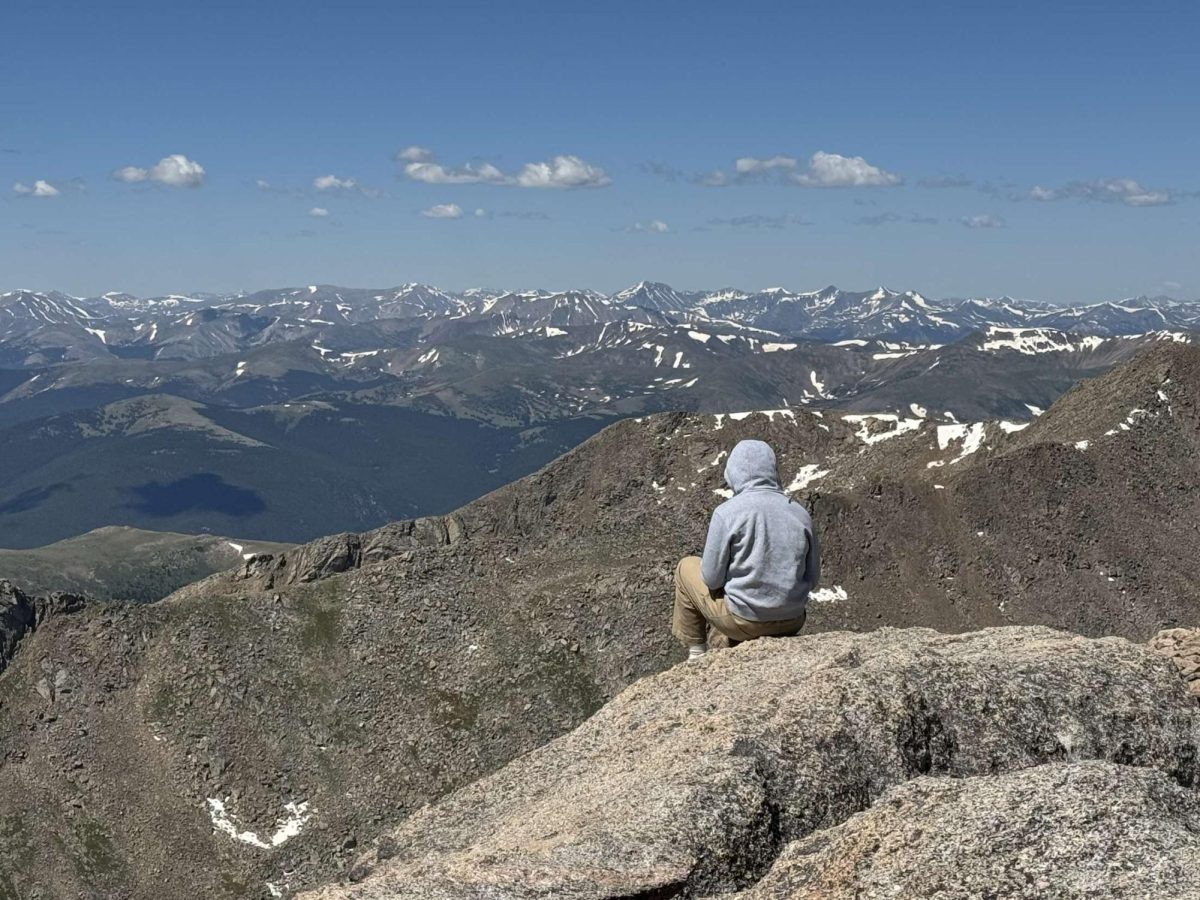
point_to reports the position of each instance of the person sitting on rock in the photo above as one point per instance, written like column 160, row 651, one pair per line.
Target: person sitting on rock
column 760, row 562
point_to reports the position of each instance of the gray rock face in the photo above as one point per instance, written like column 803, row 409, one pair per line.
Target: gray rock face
column 693, row 781
column 21, row 614
column 17, row 618
column 1052, row 832
column 343, row 552
column 1182, row 646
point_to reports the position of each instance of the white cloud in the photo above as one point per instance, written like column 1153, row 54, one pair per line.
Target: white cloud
column 1106, row 190
column 1127, row 191
column 39, row 188
column 415, row 154
column 318, row 212
column 822, row 170
column 748, row 165
column 715, row 178
column 435, row 173
column 985, row 220
column 564, row 172
column 131, row 174
column 334, row 183
column 175, row 170
column 1146, row 198
column 443, row 211
column 346, row 185
column 527, row 215
column 654, row 226
column 833, row 170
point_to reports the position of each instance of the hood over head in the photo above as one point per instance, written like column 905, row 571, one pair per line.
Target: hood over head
column 751, row 464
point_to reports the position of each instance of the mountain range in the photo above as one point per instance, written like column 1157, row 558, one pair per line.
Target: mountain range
column 284, row 724
column 37, row 328
column 411, row 401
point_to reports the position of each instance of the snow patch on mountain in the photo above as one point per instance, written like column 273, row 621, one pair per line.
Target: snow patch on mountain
column 971, row 437
column 1038, row 340
column 869, row 431
column 286, row 828
column 807, row 475
column 833, row 594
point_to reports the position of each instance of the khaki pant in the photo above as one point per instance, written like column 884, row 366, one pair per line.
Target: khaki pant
column 696, row 608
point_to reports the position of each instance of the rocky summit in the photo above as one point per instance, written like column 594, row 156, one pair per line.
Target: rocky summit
column 1082, row 829
column 263, row 731
column 896, row 763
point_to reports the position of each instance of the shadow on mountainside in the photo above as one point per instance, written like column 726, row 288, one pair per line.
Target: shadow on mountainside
column 202, row 491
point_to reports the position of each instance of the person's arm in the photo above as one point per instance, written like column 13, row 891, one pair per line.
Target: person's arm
column 714, row 564
column 812, row 561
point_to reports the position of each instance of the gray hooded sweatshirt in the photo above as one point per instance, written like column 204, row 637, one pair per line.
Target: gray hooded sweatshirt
column 761, row 548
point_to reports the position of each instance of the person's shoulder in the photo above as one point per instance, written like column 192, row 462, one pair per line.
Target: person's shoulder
column 785, row 502
column 799, row 509
column 731, row 509
column 724, row 507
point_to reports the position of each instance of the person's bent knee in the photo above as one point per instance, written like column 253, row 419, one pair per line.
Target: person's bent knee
column 687, row 561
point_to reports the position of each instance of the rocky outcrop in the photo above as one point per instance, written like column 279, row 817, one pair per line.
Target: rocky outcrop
column 1073, row 830
column 20, row 615
column 1182, row 645
column 693, row 781
column 342, row 552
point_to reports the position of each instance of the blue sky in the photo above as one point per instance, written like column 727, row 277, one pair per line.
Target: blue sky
column 1045, row 150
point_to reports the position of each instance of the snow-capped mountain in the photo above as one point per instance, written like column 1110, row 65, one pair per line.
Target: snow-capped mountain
column 46, row 328
column 1134, row 316
column 24, row 309
column 655, row 295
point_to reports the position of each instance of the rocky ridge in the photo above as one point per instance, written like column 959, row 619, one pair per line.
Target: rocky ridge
column 21, row 615
column 119, row 563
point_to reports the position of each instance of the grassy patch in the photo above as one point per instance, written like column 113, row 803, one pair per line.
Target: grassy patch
column 97, row 858
column 321, row 610
column 8, row 888
column 573, row 683
column 164, row 703
column 18, row 845
column 455, row 710
column 226, row 614
column 234, row 887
